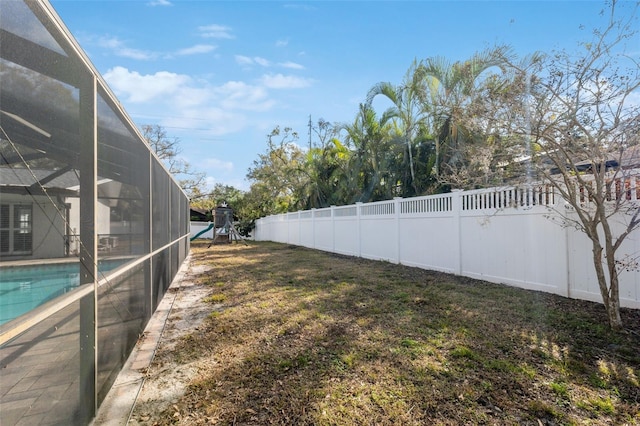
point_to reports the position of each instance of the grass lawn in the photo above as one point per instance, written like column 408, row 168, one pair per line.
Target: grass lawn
column 303, row 337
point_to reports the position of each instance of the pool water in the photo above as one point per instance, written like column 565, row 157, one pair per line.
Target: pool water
column 24, row 288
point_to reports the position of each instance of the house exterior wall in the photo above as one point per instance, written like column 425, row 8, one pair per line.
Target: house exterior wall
column 48, row 229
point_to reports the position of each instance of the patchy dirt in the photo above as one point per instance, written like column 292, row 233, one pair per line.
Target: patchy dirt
column 167, row 377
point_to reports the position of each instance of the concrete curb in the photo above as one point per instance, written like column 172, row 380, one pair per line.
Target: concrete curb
column 121, row 399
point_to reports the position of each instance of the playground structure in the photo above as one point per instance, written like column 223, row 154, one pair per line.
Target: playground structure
column 222, row 226
column 204, row 231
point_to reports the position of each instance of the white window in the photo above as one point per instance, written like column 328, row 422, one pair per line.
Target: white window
column 16, row 222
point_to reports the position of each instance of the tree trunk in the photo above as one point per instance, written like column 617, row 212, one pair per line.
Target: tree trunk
column 437, row 165
column 613, row 310
column 413, row 175
column 608, row 290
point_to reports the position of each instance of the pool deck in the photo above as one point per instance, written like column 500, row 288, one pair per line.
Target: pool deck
column 34, row 393
column 121, row 398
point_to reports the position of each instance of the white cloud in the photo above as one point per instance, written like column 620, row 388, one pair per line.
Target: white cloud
column 110, row 42
column 188, row 97
column 215, row 31
column 243, row 60
column 211, row 120
column 181, row 93
column 211, row 181
column 247, row 61
column 291, row 65
column 180, row 102
column 159, row 3
column 217, row 164
column 280, row 81
column 261, row 61
column 282, row 43
column 137, row 54
column 119, row 49
column 139, row 88
column 242, row 96
column 197, row 49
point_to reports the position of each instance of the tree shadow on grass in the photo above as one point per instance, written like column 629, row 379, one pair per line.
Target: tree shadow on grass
column 307, row 337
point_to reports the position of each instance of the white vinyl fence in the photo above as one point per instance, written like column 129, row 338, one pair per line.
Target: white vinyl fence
column 197, row 227
column 513, row 236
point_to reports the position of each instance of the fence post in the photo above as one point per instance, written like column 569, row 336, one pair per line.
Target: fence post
column 286, row 217
column 313, row 228
column 333, row 230
column 298, row 243
column 456, row 210
column 396, row 214
column 358, row 235
column 562, row 205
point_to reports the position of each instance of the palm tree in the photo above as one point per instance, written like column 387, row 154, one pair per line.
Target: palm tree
column 450, row 87
column 369, row 174
column 324, row 168
column 406, row 110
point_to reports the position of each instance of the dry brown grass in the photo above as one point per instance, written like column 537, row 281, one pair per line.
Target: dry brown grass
column 302, row 337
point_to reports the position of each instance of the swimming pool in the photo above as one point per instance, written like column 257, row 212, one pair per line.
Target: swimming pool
column 23, row 288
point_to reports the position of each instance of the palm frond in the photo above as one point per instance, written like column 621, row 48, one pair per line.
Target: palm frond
column 383, row 88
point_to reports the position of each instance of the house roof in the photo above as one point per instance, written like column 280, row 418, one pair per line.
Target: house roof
column 18, row 179
column 629, row 159
column 198, row 210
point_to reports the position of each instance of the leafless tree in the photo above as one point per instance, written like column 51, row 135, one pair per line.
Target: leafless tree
column 168, row 150
column 579, row 119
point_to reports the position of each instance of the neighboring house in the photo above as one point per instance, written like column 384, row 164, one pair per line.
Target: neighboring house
column 199, row 215
column 630, row 159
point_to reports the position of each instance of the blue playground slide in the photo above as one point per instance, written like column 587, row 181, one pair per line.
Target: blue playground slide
column 202, row 232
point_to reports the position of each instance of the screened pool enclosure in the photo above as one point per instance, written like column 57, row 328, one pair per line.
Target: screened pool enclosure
column 93, row 229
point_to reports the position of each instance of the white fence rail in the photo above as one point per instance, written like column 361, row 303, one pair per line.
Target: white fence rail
column 512, row 235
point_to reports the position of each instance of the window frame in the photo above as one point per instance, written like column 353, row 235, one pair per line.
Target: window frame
column 16, row 226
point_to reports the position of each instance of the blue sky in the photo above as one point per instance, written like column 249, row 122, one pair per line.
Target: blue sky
column 220, row 75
